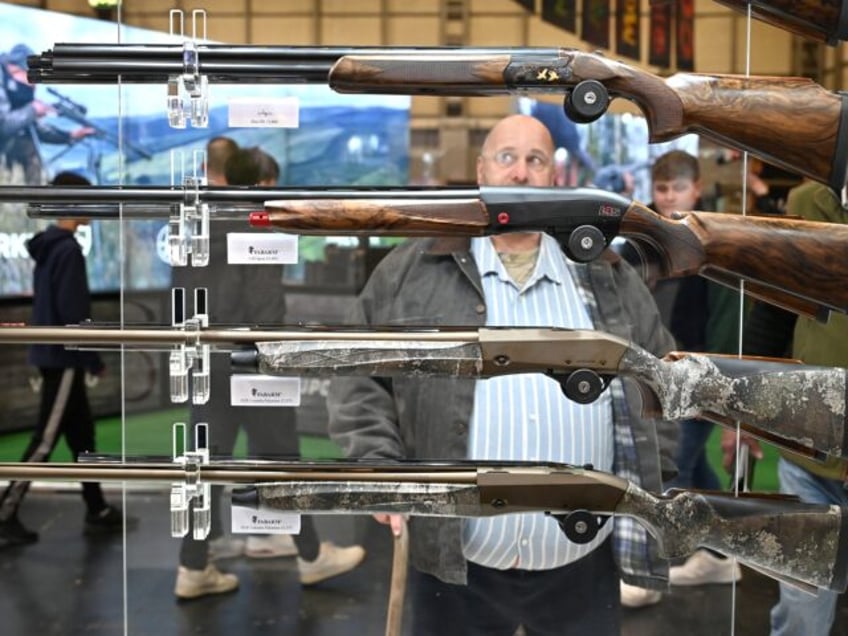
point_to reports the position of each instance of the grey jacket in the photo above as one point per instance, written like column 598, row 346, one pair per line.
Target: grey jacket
column 436, row 282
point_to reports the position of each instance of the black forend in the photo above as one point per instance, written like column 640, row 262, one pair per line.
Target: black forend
column 556, row 211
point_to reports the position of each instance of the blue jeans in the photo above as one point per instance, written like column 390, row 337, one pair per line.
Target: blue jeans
column 798, row 612
column 695, row 469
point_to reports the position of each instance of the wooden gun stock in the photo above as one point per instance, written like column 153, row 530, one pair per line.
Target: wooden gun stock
column 793, row 263
column 398, row 217
column 736, row 111
column 823, row 20
column 796, row 264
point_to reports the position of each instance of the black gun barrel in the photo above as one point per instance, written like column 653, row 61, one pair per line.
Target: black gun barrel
column 155, row 63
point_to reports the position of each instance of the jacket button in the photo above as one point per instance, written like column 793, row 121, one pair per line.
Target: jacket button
column 480, row 308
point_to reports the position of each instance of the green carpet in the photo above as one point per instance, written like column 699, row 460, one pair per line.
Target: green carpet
column 150, row 434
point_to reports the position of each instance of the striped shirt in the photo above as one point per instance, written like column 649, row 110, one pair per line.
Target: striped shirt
column 527, row 417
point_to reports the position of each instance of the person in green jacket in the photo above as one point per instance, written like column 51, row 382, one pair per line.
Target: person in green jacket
column 769, row 332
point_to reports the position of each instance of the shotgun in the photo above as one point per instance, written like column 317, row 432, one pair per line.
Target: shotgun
column 804, row 544
column 583, row 220
column 733, row 110
column 798, row 407
column 792, row 263
column 823, row 20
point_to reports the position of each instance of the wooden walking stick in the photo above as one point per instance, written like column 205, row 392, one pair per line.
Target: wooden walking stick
column 397, row 586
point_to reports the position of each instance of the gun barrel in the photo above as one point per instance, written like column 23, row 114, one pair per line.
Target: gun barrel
column 155, row 63
column 245, row 472
column 230, row 202
column 78, row 335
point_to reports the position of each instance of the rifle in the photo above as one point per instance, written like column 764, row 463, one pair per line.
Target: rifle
column 823, row 20
column 736, row 111
column 68, row 108
column 803, row 544
column 799, row 407
column 792, row 263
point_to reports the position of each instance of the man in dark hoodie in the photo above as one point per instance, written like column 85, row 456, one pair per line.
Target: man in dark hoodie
column 61, row 297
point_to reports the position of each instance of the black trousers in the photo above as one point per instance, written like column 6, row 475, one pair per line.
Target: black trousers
column 579, row 598
column 271, row 434
column 64, row 410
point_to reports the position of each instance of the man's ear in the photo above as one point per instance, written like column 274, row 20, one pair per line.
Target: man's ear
column 698, row 187
column 479, row 169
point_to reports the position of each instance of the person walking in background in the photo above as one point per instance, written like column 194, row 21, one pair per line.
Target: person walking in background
column 60, row 297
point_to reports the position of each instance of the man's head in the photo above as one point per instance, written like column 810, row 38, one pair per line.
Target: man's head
column 218, row 152
column 16, row 62
column 676, row 182
column 517, row 151
column 70, row 179
column 269, row 169
column 242, row 168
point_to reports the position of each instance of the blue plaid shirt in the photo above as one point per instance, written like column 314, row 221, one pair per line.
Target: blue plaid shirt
column 527, row 417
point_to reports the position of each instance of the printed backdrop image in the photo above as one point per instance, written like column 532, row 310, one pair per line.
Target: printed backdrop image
column 340, row 140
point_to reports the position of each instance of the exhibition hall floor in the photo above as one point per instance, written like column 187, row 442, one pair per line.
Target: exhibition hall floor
column 68, row 584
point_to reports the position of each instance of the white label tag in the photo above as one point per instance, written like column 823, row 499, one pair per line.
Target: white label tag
column 251, row 521
column 264, row 390
column 251, row 248
column 263, row 112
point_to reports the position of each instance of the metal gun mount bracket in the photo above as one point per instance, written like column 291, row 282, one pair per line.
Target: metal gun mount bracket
column 188, row 92
column 192, row 488
column 191, row 356
column 188, row 222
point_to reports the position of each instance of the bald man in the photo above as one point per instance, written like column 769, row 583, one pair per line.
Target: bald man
column 492, row 575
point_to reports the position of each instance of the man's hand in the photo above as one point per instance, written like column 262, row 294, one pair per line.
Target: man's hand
column 728, row 448
column 41, row 109
column 396, row 522
column 79, row 133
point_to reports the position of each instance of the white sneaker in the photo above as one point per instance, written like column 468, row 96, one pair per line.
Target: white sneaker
column 225, row 547
column 270, row 546
column 332, row 561
column 702, row 568
column 632, row 596
column 197, row 583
